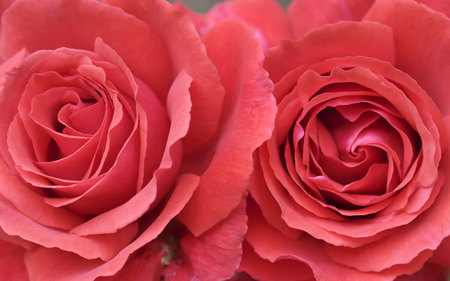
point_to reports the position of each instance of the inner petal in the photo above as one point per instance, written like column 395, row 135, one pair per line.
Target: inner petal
column 85, row 117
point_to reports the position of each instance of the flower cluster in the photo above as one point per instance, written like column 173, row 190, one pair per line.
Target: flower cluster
column 140, row 140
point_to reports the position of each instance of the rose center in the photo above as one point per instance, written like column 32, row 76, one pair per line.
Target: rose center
column 355, row 149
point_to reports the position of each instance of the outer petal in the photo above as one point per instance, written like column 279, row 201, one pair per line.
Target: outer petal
column 282, row 270
column 441, row 254
column 12, row 265
column 429, row 272
column 248, row 114
column 337, row 40
column 145, row 265
column 187, row 53
column 216, row 254
column 63, row 266
column 267, row 17
column 75, row 24
column 306, row 15
column 100, row 246
column 438, row 5
column 427, row 59
column 28, row 202
column 273, row 246
column 5, row 5
column 12, row 62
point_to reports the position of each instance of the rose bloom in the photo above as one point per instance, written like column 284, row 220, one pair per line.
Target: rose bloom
column 126, row 141
column 353, row 184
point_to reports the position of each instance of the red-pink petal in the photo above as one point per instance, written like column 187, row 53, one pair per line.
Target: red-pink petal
column 31, row 204
column 249, row 111
column 12, row 264
column 281, row 270
column 437, row 5
column 216, row 254
column 102, row 246
column 306, row 15
column 188, row 54
column 178, row 106
column 441, row 254
column 337, row 40
column 266, row 16
column 56, row 265
column 429, row 272
column 412, row 22
column 12, row 62
column 74, row 24
column 273, row 246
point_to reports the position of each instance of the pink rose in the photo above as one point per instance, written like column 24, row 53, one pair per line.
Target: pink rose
column 117, row 131
column 353, row 184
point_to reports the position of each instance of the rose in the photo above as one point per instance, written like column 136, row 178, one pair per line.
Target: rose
column 353, row 183
column 114, row 122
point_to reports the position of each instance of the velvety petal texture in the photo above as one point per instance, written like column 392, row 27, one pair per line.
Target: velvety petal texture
column 306, row 15
column 266, row 17
column 353, row 183
column 12, row 265
column 117, row 120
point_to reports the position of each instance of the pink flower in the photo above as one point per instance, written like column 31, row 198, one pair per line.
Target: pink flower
column 118, row 125
column 353, row 183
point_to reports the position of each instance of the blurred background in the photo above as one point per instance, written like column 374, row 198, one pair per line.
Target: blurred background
column 204, row 5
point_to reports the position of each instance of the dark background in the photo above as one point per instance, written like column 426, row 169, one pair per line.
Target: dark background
column 204, row 5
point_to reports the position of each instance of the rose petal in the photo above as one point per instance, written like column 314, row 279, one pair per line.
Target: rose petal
column 31, row 204
column 337, row 40
column 54, row 264
column 179, row 106
column 12, row 265
column 266, row 16
column 306, row 15
column 425, row 232
column 216, row 254
column 153, row 66
column 101, row 246
column 12, row 62
column 267, row 204
column 281, row 270
column 429, row 272
column 271, row 245
column 412, row 22
column 187, row 54
column 437, row 5
column 441, row 254
column 248, row 115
